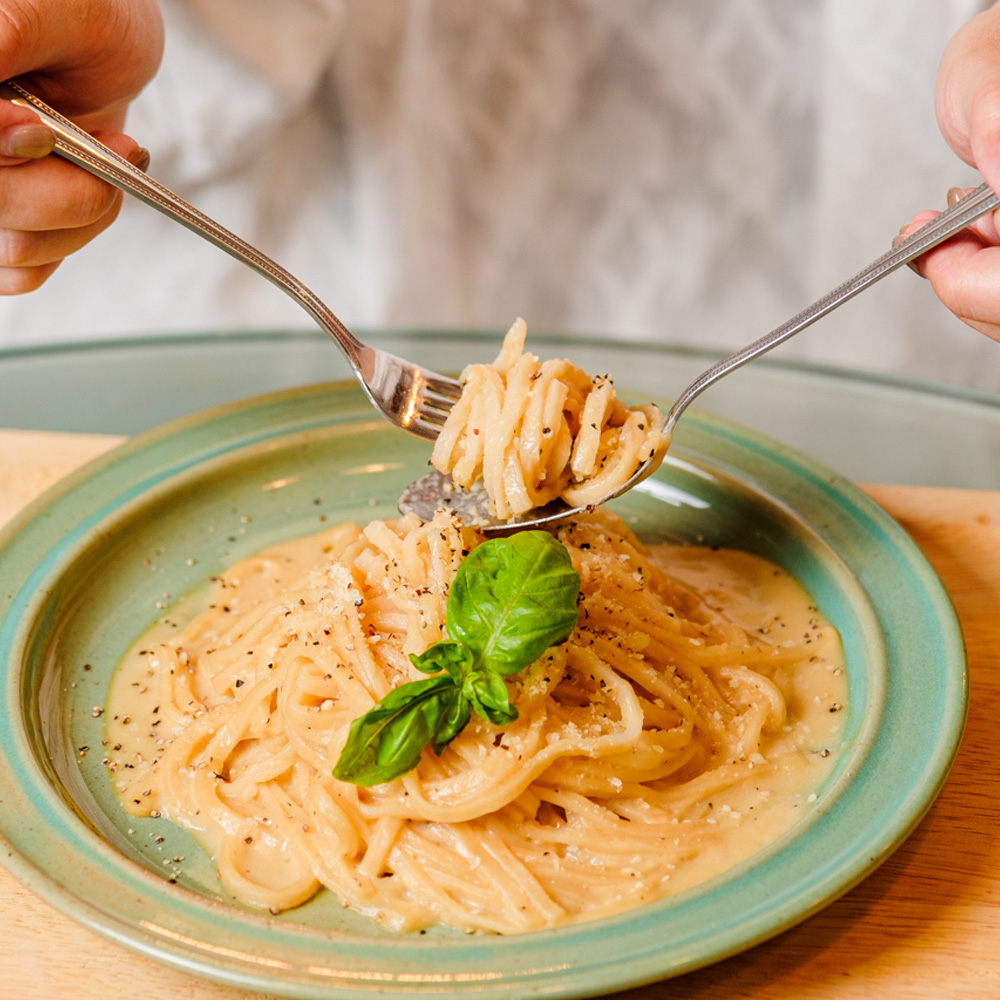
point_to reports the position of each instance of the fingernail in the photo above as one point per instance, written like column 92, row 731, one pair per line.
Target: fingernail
column 140, row 157
column 27, row 142
column 896, row 240
column 955, row 194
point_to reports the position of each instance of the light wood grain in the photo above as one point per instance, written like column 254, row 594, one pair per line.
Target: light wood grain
column 925, row 926
column 31, row 461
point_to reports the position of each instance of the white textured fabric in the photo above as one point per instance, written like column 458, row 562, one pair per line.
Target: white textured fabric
column 678, row 170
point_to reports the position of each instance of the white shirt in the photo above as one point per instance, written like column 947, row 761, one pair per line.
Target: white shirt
column 689, row 171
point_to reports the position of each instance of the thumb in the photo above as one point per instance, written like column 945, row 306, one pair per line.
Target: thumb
column 22, row 135
column 984, row 130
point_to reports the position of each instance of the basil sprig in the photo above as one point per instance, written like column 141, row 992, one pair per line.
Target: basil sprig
column 512, row 598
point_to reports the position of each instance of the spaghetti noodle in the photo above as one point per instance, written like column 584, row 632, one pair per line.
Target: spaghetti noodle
column 532, row 432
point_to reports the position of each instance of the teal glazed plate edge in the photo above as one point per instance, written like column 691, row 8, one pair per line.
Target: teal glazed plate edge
column 106, row 551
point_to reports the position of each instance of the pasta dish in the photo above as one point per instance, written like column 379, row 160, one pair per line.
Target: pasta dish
column 496, row 735
column 687, row 720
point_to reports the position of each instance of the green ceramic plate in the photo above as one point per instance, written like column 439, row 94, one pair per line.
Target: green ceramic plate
column 89, row 565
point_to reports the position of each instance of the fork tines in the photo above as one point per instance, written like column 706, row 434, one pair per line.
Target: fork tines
column 436, row 397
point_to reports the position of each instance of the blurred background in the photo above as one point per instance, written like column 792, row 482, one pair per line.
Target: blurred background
column 669, row 171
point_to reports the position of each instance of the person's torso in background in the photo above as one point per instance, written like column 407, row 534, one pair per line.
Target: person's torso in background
column 671, row 170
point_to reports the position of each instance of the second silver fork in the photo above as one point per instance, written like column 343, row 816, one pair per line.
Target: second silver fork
column 951, row 221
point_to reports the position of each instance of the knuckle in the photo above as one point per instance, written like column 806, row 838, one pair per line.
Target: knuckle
column 19, row 249
column 47, row 195
column 90, row 200
column 20, row 23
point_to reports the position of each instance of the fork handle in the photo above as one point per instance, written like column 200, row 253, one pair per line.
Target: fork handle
column 947, row 224
column 83, row 149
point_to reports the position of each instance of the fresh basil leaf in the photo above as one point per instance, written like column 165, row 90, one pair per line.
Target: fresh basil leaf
column 448, row 655
column 387, row 741
column 487, row 692
column 454, row 720
column 512, row 598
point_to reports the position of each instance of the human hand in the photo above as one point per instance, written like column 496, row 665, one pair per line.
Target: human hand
column 965, row 271
column 88, row 58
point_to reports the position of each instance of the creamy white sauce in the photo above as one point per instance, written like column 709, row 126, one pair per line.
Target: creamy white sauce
column 782, row 774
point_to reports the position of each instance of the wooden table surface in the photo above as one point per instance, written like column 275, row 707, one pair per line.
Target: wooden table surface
column 924, row 926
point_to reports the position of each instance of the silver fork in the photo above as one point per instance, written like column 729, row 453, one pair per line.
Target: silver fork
column 951, row 221
column 414, row 398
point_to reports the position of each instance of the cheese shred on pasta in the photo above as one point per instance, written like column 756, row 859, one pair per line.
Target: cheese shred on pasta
column 683, row 725
column 533, row 432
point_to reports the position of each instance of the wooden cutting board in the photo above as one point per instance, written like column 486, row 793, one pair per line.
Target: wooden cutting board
column 924, row 925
